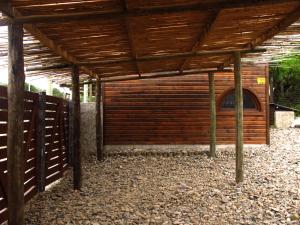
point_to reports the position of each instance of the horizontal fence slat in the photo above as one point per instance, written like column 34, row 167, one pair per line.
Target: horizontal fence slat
column 31, row 101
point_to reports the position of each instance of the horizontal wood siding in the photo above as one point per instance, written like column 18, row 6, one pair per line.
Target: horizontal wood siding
column 176, row 110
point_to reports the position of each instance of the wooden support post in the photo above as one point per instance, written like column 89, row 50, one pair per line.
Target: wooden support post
column 15, row 131
column 268, row 91
column 76, row 128
column 213, row 115
column 239, row 118
column 41, row 157
column 99, row 120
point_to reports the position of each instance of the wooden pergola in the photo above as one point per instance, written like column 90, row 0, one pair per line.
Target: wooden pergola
column 111, row 40
column 284, row 43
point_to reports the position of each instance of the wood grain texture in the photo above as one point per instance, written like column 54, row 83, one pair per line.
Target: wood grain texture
column 239, row 118
column 56, row 161
column 99, row 120
column 176, row 110
column 15, row 131
column 213, row 114
column 76, row 128
column 142, row 29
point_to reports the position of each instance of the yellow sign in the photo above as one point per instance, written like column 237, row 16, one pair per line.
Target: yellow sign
column 261, row 80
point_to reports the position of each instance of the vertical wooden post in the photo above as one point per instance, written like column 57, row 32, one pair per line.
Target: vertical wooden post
column 41, row 157
column 76, row 128
column 213, row 115
column 15, row 131
column 239, row 118
column 99, row 121
column 268, row 90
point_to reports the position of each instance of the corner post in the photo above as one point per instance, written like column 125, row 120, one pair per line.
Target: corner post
column 76, row 128
column 99, row 120
column 239, row 118
column 213, row 115
column 41, row 157
column 15, row 131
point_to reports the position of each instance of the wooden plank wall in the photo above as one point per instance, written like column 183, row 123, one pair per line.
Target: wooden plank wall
column 56, row 144
column 176, row 110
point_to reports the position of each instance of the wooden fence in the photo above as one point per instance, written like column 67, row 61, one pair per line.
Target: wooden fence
column 46, row 121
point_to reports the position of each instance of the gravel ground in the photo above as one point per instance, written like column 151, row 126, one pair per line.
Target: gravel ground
column 181, row 190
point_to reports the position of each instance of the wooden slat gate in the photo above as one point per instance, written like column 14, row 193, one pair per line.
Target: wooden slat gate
column 56, row 115
column 55, row 139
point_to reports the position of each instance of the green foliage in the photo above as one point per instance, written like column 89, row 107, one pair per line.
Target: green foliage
column 286, row 81
column 26, row 87
column 297, row 106
column 32, row 88
column 92, row 99
column 58, row 93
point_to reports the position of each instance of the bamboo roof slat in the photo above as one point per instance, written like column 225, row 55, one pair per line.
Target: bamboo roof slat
column 62, row 32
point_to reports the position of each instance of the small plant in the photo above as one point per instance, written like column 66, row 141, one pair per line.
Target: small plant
column 286, row 81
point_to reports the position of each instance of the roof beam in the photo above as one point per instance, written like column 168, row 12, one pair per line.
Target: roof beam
column 170, row 56
column 130, row 38
column 175, row 74
column 57, row 49
column 92, row 15
column 33, row 30
column 5, row 7
column 202, row 38
column 159, row 75
column 51, row 67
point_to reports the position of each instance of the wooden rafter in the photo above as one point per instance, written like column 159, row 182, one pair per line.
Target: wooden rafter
column 283, row 24
column 50, row 67
column 46, row 41
column 171, row 74
column 141, row 59
column 57, row 49
column 170, row 56
column 156, row 75
column 63, row 17
column 5, row 7
column 200, row 41
column 130, row 38
column 155, row 37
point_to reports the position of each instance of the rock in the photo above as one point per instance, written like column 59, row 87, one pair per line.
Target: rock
column 225, row 200
column 187, row 190
column 295, row 217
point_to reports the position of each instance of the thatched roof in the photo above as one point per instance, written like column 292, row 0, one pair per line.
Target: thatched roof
column 284, row 43
column 113, row 38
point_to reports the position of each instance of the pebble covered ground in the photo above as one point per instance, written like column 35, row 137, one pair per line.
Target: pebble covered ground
column 181, row 189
